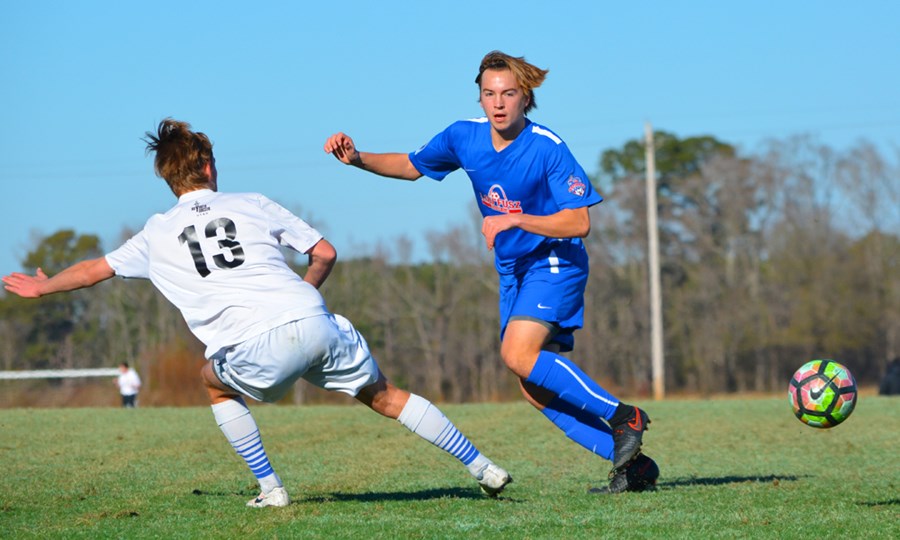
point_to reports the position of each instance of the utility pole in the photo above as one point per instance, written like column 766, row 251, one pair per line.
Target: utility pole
column 656, row 320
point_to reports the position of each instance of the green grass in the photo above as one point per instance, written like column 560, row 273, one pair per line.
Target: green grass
column 730, row 469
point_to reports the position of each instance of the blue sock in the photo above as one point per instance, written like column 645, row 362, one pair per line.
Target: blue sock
column 585, row 429
column 427, row 421
column 240, row 429
column 570, row 384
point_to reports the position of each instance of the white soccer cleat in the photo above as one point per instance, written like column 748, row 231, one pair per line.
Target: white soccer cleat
column 493, row 479
column 276, row 497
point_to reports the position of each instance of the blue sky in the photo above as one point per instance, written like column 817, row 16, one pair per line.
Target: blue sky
column 83, row 81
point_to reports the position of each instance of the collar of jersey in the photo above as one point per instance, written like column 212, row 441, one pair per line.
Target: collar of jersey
column 196, row 194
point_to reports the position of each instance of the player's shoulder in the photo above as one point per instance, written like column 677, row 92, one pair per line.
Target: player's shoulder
column 469, row 125
column 240, row 199
column 545, row 142
column 459, row 136
column 543, row 134
column 478, row 120
column 210, row 202
column 240, row 195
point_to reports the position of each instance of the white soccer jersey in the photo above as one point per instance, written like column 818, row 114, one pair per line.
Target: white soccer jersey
column 129, row 382
column 216, row 257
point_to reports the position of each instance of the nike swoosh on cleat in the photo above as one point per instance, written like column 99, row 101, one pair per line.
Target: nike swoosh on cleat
column 638, row 422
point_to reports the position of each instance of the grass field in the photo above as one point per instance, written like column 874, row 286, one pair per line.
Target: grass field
column 730, row 469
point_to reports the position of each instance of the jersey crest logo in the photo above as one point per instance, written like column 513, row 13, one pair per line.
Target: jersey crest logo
column 495, row 199
column 576, row 186
column 200, row 209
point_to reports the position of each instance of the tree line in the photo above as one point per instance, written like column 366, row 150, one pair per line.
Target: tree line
column 768, row 259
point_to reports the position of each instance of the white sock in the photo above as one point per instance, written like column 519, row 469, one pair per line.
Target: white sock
column 427, row 421
column 240, row 429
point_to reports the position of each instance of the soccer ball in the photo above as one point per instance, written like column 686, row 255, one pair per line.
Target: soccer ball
column 822, row 393
column 642, row 473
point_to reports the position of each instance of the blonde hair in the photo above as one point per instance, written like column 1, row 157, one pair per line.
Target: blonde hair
column 527, row 75
column 181, row 155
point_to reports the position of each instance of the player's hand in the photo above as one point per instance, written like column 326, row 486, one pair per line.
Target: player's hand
column 491, row 226
column 24, row 285
column 341, row 146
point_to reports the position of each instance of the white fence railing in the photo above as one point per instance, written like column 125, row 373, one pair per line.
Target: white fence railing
column 59, row 373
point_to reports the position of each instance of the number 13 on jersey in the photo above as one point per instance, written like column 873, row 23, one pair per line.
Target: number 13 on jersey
column 231, row 255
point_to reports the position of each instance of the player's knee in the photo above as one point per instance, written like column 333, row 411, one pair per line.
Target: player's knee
column 518, row 360
column 384, row 398
column 510, row 361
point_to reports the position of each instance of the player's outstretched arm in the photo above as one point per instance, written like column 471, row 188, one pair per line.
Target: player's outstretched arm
column 78, row 276
column 392, row 164
column 321, row 260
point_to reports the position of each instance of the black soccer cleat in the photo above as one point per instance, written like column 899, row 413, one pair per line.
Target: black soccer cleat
column 638, row 475
column 627, row 435
column 618, row 483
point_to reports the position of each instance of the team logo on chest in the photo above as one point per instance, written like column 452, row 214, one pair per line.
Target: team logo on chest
column 495, row 199
column 576, row 186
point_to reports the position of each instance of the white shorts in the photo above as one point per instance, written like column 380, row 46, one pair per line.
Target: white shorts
column 325, row 350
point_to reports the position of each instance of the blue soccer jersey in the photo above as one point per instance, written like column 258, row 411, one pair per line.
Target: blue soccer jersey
column 536, row 174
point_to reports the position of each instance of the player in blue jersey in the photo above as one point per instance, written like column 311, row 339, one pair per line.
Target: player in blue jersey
column 217, row 258
column 534, row 197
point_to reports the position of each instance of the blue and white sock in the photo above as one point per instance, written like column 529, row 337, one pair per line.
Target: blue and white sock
column 559, row 375
column 427, row 421
column 584, row 428
column 240, row 429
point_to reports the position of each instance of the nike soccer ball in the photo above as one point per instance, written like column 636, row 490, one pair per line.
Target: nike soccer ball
column 822, row 393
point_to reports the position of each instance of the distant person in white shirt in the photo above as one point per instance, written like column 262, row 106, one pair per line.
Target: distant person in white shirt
column 216, row 257
column 129, row 384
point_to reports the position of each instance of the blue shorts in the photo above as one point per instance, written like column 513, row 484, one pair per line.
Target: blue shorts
column 548, row 287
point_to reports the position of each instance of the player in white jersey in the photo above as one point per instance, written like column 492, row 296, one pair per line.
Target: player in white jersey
column 216, row 257
column 534, row 198
column 129, row 383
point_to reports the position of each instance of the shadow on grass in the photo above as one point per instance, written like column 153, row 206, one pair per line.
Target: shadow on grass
column 722, row 480
column 242, row 493
column 423, row 495
column 889, row 502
